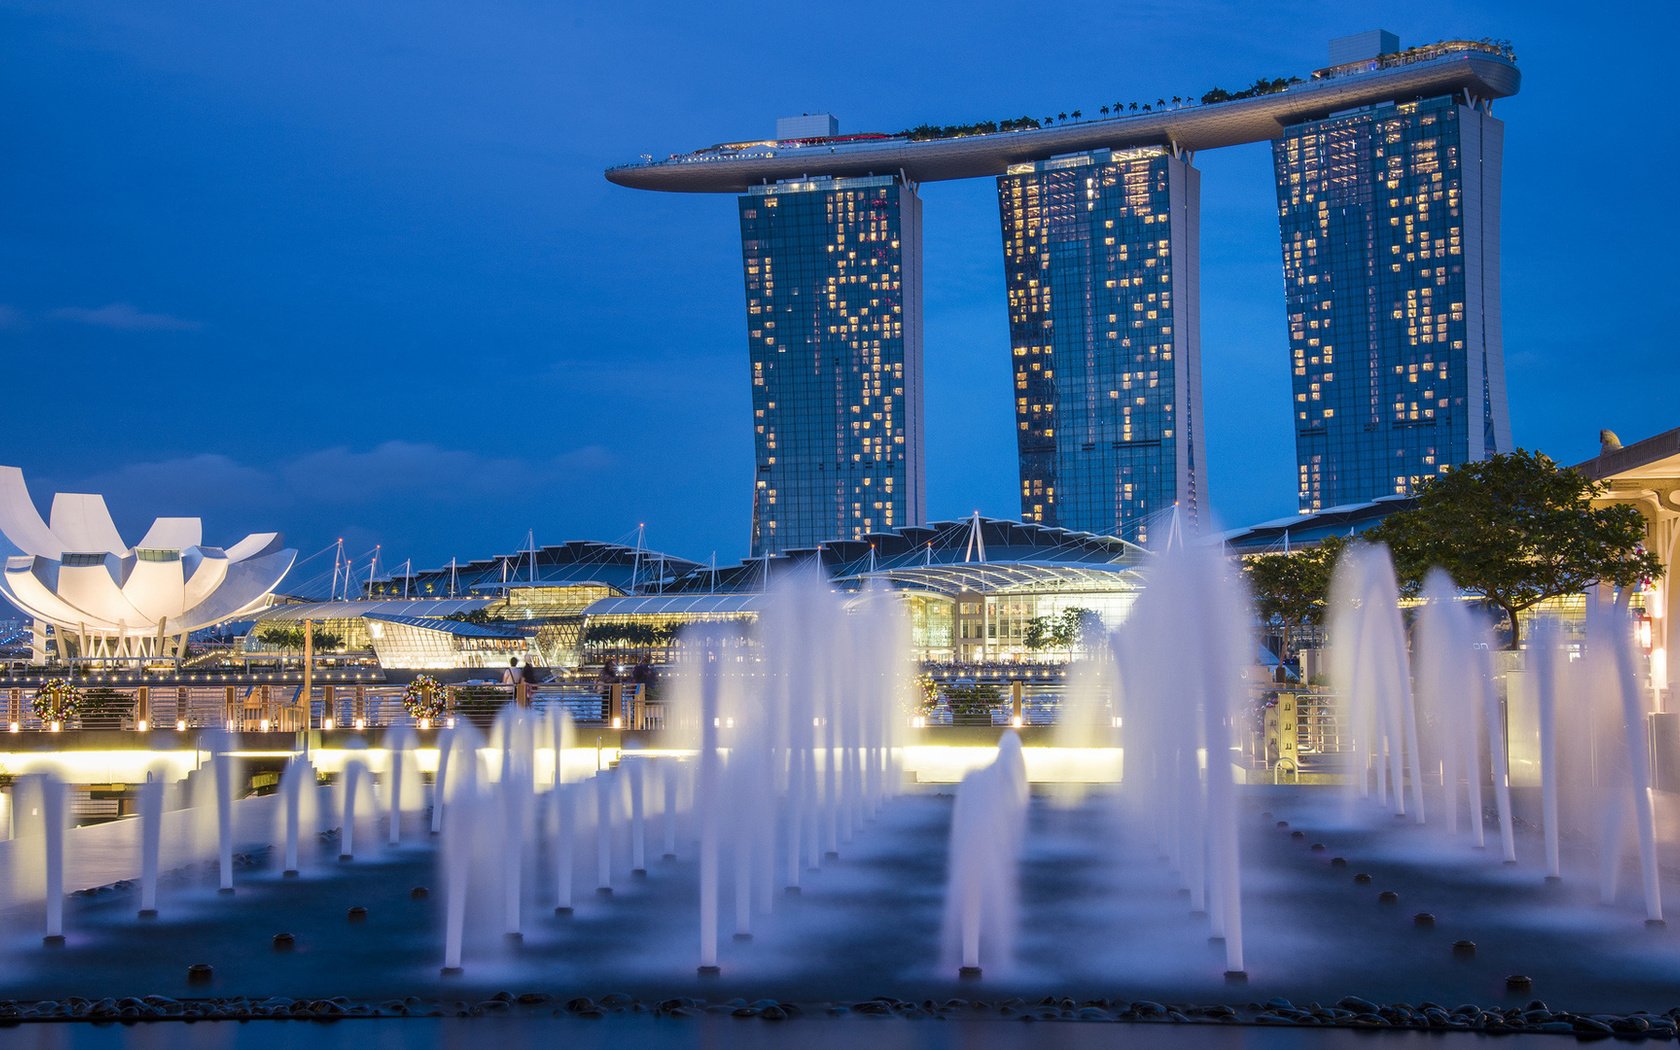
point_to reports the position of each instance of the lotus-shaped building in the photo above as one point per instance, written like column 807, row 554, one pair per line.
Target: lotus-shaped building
column 104, row 598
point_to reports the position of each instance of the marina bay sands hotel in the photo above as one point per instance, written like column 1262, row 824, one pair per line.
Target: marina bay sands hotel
column 1388, row 168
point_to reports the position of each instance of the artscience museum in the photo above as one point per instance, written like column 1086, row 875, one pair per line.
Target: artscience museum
column 94, row 596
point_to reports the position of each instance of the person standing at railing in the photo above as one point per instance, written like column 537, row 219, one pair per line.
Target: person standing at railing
column 512, row 677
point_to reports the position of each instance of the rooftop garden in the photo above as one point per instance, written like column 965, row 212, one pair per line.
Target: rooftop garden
column 1262, row 86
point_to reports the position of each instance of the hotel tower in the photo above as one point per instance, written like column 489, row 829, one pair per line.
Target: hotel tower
column 833, row 282
column 1100, row 259
column 1387, row 166
column 1390, row 228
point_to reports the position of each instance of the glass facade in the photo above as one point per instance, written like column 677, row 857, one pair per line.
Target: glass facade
column 1100, row 259
column 1389, row 218
column 833, row 280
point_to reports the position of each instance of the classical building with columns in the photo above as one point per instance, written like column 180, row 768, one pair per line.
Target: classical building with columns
column 1646, row 475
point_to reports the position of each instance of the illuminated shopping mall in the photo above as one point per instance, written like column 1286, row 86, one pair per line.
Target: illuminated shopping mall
column 971, row 589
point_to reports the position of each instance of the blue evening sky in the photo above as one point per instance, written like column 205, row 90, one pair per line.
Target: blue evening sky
column 351, row 269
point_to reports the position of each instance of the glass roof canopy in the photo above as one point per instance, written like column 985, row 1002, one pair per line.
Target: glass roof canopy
column 1007, row 577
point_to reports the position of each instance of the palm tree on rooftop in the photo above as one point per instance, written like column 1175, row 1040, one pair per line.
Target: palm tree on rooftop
column 1103, row 110
column 1061, row 116
column 1077, row 114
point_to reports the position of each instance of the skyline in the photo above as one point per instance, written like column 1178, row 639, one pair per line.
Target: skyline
column 412, row 220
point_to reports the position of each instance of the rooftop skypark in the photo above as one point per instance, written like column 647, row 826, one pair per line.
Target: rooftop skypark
column 1481, row 70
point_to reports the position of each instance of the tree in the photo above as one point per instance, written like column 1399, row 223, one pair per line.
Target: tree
column 291, row 638
column 1040, row 633
column 1291, row 591
column 1517, row 529
column 1072, row 629
column 1084, row 628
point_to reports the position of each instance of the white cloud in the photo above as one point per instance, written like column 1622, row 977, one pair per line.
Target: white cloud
column 124, row 317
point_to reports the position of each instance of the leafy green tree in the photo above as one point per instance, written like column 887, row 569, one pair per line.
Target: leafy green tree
column 1073, row 628
column 1082, row 628
column 291, row 638
column 1291, row 590
column 1517, row 529
column 1040, row 633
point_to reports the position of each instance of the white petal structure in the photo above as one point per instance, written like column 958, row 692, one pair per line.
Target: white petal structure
column 106, row 599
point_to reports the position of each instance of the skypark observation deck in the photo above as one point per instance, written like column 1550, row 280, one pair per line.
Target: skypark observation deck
column 1470, row 70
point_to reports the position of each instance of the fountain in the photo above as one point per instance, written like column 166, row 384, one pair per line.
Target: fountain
column 1461, row 708
column 1178, row 729
column 400, row 742
column 151, row 842
column 1369, row 670
column 987, row 827
column 784, row 773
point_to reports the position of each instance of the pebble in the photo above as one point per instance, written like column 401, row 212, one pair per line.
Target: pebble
column 1349, row 1012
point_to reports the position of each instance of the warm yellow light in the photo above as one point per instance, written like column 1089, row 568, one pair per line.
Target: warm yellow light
column 327, row 722
column 142, row 725
column 180, row 725
column 361, row 724
column 1017, row 721
column 618, row 723
column 16, row 728
column 263, row 725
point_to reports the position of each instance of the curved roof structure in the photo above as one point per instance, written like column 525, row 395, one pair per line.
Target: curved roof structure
column 678, row 605
column 972, row 543
column 571, row 564
column 1011, row 577
column 78, row 575
column 350, row 609
column 1485, row 71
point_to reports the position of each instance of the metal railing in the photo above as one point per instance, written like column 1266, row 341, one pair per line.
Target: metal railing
column 282, row 707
